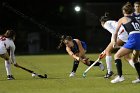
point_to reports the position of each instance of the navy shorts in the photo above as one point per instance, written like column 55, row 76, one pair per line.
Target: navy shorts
column 133, row 42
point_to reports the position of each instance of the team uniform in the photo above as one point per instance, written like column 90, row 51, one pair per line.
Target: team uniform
column 75, row 49
column 7, row 44
column 111, row 27
column 137, row 16
column 133, row 43
column 133, row 28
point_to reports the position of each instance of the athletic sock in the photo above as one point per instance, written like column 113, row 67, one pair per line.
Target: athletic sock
column 75, row 66
column 97, row 64
column 137, row 66
column 109, row 63
column 131, row 63
column 119, row 66
column 8, row 67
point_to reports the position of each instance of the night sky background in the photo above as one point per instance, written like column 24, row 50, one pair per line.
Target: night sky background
column 37, row 22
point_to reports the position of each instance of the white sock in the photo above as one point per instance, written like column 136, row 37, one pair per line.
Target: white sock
column 8, row 67
column 108, row 63
column 131, row 63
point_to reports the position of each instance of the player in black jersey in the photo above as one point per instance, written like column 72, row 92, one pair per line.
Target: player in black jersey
column 136, row 13
column 77, row 49
column 132, row 26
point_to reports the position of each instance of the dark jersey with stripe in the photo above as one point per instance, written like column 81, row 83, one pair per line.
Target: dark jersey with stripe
column 136, row 16
column 133, row 25
column 75, row 48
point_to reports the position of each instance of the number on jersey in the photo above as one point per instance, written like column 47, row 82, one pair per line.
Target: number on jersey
column 136, row 26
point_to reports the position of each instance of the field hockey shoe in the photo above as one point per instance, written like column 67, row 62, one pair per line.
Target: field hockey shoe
column 118, row 79
column 101, row 66
column 136, row 81
column 108, row 75
column 10, row 77
column 72, row 74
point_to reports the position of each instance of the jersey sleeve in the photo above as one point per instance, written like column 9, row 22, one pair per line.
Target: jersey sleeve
column 109, row 26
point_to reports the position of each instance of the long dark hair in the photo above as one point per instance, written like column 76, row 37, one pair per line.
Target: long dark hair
column 62, row 39
column 105, row 18
column 10, row 34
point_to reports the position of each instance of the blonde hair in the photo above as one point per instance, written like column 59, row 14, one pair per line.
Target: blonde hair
column 137, row 2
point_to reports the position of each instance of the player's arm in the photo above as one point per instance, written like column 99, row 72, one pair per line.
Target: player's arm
column 12, row 53
column 81, row 49
column 114, row 40
column 72, row 54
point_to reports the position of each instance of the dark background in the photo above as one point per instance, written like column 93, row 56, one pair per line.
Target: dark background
column 42, row 20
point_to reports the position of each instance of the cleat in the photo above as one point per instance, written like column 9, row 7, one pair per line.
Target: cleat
column 136, row 81
column 108, row 75
column 72, row 74
column 118, row 79
column 10, row 77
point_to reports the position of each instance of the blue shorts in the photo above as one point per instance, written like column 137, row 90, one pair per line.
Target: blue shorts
column 133, row 42
column 84, row 45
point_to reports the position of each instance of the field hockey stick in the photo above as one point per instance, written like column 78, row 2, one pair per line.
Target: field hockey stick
column 85, row 72
column 102, row 55
column 30, row 71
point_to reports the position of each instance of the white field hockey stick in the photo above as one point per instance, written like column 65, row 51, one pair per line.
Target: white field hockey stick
column 102, row 55
column 85, row 72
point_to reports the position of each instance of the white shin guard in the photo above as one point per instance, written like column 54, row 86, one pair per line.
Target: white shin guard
column 109, row 63
column 8, row 67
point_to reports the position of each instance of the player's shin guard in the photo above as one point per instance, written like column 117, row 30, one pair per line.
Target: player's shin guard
column 75, row 66
column 137, row 66
column 119, row 66
column 108, row 63
column 8, row 67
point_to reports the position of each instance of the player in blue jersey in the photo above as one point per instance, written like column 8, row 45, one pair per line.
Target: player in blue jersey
column 132, row 26
column 77, row 49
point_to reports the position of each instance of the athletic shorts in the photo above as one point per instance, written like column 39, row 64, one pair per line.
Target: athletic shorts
column 84, row 45
column 2, row 50
column 133, row 42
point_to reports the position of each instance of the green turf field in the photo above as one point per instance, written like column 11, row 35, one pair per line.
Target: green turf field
column 58, row 68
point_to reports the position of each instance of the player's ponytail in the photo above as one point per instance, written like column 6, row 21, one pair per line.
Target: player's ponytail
column 128, row 8
column 105, row 18
column 62, row 38
column 10, row 34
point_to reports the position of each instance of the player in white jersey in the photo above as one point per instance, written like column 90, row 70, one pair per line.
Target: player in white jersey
column 111, row 25
column 6, row 43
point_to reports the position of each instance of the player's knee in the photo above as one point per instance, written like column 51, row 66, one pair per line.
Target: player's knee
column 117, row 56
column 108, row 52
